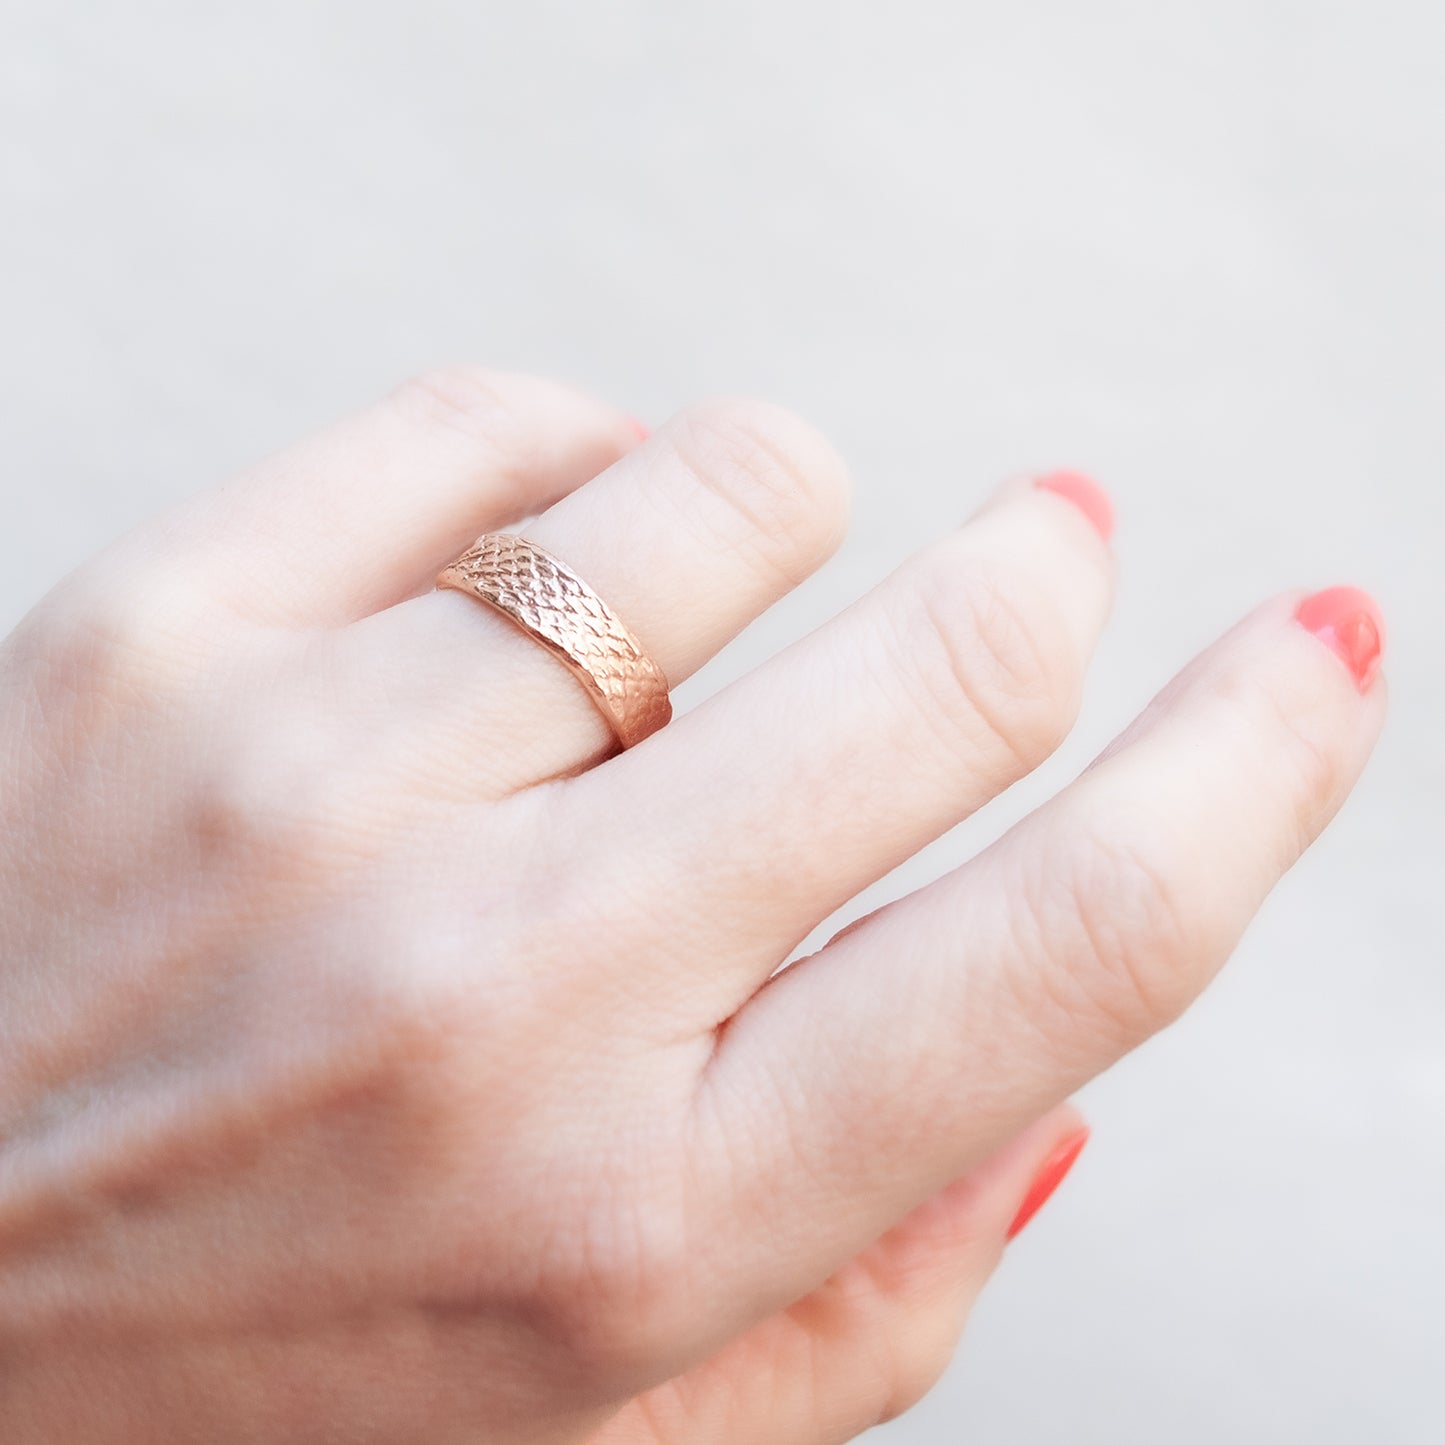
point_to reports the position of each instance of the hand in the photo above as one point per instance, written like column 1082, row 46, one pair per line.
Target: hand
column 381, row 1059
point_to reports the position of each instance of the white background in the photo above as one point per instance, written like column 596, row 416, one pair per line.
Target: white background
column 1194, row 248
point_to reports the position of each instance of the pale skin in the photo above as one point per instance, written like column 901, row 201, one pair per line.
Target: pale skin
column 383, row 1057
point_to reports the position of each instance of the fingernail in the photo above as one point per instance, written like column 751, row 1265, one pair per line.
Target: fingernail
column 1086, row 494
column 1050, row 1176
column 640, row 427
column 1350, row 624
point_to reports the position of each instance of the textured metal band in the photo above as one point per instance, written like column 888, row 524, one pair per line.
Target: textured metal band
column 553, row 605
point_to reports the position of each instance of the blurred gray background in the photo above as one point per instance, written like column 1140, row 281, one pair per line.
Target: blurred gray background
column 1194, row 249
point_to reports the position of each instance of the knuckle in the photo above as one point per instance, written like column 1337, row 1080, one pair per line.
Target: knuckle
column 273, row 800
column 622, row 1303
column 1295, row 744
column 1137, row 936
column 783, row 490
column 133, row 636
column 992, row 660
column 475, row 401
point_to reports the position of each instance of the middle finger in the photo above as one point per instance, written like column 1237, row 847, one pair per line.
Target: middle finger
column 752, row 818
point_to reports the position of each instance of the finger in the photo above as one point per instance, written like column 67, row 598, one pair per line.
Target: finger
column 688, row 538
column 773, row 803
column 873, row 1340
column 365, row 513
column 909, row 1046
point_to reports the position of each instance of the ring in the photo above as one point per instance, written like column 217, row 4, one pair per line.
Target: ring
column 555, row 607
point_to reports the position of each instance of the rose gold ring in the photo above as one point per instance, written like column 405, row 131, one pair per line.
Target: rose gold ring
column 555, row 607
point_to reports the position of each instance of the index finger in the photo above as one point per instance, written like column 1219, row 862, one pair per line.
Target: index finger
column 910, row 1046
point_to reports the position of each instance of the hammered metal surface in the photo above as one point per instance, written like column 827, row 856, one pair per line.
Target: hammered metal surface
column 549, row 601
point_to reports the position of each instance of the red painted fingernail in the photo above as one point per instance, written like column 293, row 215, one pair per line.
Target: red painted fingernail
column 1350, row 624
column 1086, row 494
column 640, row 427
column 1050, row 1176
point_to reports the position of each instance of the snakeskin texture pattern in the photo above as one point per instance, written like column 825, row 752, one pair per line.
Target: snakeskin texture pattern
column 556, row 607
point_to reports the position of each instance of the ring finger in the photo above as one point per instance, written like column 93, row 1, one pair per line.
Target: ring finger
column 688, row 538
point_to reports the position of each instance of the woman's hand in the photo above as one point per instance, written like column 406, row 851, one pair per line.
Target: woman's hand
column 382, row 1060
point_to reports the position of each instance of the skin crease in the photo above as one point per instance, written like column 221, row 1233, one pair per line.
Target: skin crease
column 384, row 1058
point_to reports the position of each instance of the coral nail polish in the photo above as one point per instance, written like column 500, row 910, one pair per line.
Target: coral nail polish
column 1050, row 1176
column 640, row 427
column 1086, row 494
column 1350, row 624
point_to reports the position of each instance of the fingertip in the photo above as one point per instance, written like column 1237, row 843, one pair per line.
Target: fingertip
column 1350, row 623
column 1086, row 494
